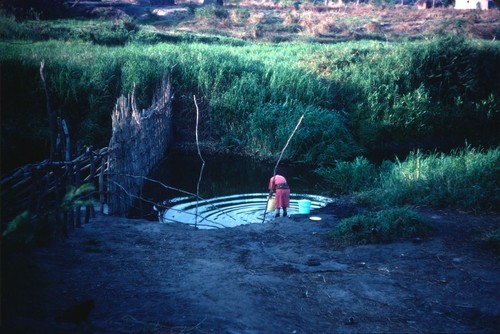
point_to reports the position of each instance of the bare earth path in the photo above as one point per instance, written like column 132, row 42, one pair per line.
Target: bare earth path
column 282, row 277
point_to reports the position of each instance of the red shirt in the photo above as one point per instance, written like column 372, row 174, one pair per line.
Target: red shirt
column 282, row 198
column 278, row 179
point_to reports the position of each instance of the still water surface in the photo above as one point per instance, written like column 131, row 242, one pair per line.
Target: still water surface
column 233, row 190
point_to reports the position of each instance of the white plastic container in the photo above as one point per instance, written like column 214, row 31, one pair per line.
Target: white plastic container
column 270, row 204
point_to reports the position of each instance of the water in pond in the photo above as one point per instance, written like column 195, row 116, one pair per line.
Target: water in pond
column 233, row 190
column 232, row 210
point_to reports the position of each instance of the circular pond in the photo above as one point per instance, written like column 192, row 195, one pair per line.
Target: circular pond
column 230, row 211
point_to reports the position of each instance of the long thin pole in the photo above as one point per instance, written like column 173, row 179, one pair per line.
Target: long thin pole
column 279, row 159
column 202, row 165
column 50, row 112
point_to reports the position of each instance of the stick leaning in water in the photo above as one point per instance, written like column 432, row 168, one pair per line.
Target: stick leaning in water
column 279, row 159
column 202, row 165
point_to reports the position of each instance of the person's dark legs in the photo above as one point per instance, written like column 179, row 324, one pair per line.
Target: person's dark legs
column 285, row 213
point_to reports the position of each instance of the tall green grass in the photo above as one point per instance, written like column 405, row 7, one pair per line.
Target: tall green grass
column 403, row 92
column 100, row 32
column 355, row 95
column 466, row 178
column 382, row 226
column 348, row 177
column 323, row 134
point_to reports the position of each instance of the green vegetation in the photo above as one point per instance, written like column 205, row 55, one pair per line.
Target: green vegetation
column 348, row 177
column 465, row 178
column 381, row 227
column 23, row 233
column 20, row 231
column 98, row 32
column 377, row 93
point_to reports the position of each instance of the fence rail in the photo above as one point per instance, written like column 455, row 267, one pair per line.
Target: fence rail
column 41, row 187
column 139, row 140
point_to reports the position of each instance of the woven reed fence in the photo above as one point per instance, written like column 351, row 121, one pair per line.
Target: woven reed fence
column 140, row 139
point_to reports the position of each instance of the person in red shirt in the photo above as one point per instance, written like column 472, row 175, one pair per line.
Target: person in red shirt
column 279, row 186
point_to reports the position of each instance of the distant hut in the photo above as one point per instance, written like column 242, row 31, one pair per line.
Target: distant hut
column 471, row 4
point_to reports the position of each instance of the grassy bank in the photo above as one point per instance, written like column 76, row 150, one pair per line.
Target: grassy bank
column 384, row 226
column 374, row 94
column 466, row 178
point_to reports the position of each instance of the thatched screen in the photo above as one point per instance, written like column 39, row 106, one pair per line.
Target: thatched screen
column 139, row 141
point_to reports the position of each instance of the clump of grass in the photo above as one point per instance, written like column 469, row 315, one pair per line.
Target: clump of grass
column 322, row 136
column 373, row 27
column 381, row 227
column 465, row 178
column 329, row 27
column 111, row 33
column 212, row 15
column 19, row 233
column 9, row 28
column 348, row 177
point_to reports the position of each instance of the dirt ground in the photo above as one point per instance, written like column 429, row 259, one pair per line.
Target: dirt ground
column 280, row 277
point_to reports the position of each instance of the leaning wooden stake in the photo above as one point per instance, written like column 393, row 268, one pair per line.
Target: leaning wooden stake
column 279, row 159
column 202, row 164
column 50, row 112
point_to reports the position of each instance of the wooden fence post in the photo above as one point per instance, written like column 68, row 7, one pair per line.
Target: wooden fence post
column 77, row 184
column 88, row 208
column 71, row 211
column 102, row 197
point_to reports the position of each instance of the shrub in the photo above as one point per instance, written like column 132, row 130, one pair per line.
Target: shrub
column 211, row 14
column 466, row 179
column 409, row 91
column 347, row 177
column 321, row 137
column 381, row 227
column 111, row 33
column 20, row 232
